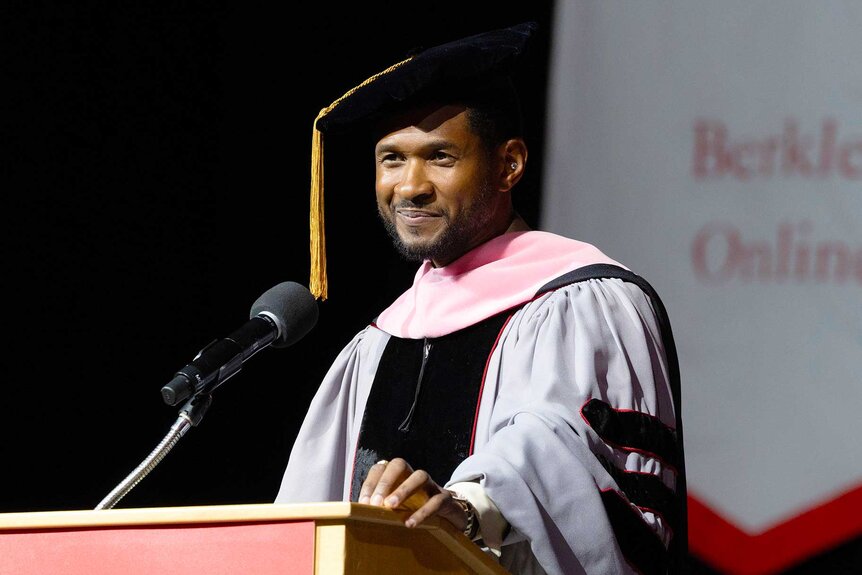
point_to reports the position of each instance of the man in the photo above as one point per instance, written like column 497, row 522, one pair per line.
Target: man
column 525, row 388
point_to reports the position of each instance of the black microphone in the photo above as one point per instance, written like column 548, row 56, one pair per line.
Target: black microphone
column 280, row 317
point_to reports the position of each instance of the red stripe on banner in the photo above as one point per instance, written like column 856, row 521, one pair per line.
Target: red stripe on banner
column 731, row 550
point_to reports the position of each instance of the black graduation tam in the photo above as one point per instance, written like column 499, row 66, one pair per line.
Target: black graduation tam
column 448, row 67
column 447, row 70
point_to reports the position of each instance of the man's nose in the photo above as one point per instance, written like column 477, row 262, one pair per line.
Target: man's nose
column 414, row 183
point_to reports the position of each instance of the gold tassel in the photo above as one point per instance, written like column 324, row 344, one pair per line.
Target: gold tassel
column 318, row 284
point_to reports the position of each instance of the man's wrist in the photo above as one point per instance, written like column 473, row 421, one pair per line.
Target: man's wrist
column 471, row 530
column 492, row 525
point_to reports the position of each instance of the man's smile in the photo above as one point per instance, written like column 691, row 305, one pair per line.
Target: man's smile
column 415, row 217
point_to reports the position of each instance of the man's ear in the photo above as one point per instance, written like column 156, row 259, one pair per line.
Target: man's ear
column 514, row 154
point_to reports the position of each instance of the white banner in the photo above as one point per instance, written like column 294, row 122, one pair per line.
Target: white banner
column 716, row 149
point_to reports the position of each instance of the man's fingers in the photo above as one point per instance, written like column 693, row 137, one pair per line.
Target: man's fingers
column 392, row 483
column 418, row 481
column 432, row 507
column 374, row 474
column 382, row 479
column 394, row 473
column 442, row 505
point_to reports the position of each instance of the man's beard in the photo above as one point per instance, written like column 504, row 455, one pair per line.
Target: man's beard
column 457, row 235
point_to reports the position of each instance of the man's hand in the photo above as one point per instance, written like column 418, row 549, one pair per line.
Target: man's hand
column 389, row 484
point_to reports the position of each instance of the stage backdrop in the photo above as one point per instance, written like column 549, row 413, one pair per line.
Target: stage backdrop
column 716, row 149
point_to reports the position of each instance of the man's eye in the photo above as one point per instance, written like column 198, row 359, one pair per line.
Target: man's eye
column 388, row 158
column 440, row 156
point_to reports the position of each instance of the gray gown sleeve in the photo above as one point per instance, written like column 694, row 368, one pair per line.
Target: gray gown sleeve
column 536, row 455
column 319, row 465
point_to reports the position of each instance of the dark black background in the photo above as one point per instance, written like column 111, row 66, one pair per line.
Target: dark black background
column 155, row 176
column 155, row 183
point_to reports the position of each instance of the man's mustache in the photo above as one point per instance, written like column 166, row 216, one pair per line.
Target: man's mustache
column 411, row 205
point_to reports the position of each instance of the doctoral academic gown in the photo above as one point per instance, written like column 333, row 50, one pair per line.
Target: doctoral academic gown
column 571, row 423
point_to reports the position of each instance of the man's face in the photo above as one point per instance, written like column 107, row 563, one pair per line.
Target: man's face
column 435, row 186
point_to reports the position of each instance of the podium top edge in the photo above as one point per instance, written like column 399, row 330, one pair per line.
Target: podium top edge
column 244, row 513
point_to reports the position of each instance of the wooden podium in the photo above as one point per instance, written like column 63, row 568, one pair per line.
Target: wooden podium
column 259, row 539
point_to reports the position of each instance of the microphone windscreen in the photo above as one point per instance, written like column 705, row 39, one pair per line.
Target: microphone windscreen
column 292, row 307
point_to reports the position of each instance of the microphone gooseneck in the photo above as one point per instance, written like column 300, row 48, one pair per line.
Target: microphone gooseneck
column 191, row 414
column 280, row 317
